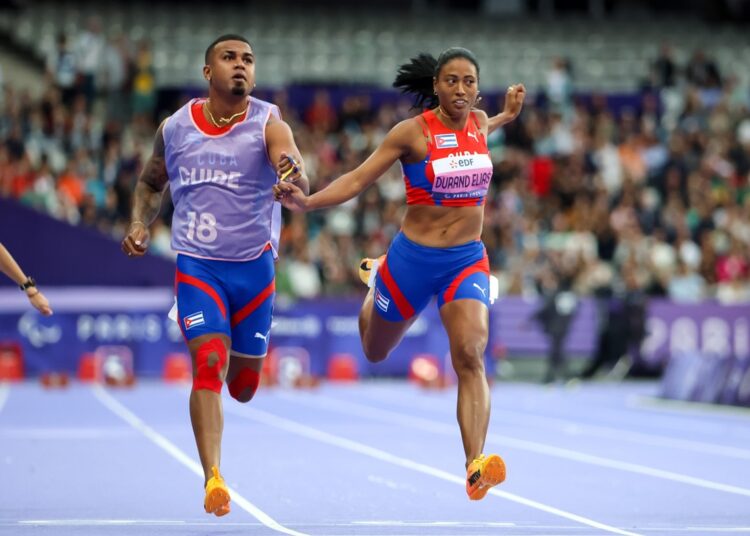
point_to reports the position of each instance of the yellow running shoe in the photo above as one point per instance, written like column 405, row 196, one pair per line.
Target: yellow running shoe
column 482, row 474
column 368, row 268
column 217, row 495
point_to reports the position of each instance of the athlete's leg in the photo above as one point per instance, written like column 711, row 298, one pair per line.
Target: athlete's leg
column 251, row 300
column 379, row 336
column 203, row 318
column 243, row 377
column 466, row 322
column 394, row 301
column 210, row 362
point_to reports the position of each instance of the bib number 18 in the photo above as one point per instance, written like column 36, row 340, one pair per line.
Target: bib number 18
column 201, row 227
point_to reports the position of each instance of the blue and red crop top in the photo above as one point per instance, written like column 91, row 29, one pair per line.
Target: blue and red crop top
column 457, row 169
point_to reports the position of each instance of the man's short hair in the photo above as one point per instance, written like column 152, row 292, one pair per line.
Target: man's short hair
column 221, row 39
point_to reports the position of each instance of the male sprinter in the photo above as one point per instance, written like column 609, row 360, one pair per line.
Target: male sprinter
column 216, row 156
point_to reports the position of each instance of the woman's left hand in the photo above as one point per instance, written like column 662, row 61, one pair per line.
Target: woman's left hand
column 514, row 100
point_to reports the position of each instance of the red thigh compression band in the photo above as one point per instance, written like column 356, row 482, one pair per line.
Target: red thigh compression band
column 211, row 358
column 244, row 384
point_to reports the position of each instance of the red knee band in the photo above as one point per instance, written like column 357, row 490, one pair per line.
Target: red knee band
column 209, row 362
column 244, row 385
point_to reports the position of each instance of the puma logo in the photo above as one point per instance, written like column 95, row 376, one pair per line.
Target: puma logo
column 259, row 335
column 482, row 290
column 473, row 135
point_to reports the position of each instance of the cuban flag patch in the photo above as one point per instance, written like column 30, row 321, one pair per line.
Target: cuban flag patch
column 194, row 320
column 446, row 141
column 381, row 301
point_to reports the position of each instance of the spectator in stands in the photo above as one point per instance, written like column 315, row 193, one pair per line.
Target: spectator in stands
column 62, row 69
column 558, row 310
column 71, row 185
column 622, row 328
column 320, row 115
column 9, row 267
column 702, row 72
column 89, row 51
column 559, row 86
column 732, row 272
column 438, row 252
column 115, row 75
column 664, row 69
column 304, row 276
column 143, row 90
column 686, row 286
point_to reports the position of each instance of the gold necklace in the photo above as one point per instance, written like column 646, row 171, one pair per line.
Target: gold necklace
column 222, row 121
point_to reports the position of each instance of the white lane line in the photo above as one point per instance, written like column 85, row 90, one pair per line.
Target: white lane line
column 629, row 416
column 97, row 522
column 125, row 414
column 704, row 530
column 294, row 427
column 360, row 410
column 129, row 522
column 353, row 524
column 573, row 428
column 651, row 403
column 73, row 433
column 457, row 524
column 4, row 394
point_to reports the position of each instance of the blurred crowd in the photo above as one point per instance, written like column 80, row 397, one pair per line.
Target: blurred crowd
column 650, row 198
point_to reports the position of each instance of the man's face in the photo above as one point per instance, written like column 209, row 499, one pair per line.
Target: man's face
column 232, row 68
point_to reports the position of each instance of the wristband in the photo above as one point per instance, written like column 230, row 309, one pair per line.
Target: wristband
column 29, row 283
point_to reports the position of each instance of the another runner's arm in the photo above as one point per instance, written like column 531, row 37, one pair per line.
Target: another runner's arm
column 150, row 187
column 280, row 145
column 10, row 267
column 397, row 143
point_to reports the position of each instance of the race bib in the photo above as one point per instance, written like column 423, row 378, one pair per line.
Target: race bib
column 464, row 176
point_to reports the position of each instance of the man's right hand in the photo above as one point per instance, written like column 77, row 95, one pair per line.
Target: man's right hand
column 287, row 168
column 135, row 243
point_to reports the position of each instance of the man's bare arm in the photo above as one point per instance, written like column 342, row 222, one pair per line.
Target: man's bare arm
column 149, row 191
column 283, row 151
column 150, row 187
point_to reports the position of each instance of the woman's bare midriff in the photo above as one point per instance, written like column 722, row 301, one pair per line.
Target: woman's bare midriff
column 442, row 227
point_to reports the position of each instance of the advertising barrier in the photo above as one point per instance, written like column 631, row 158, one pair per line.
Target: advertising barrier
column 87, row 318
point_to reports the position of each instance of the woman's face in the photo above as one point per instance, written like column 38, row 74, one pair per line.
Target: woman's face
column 457, row 86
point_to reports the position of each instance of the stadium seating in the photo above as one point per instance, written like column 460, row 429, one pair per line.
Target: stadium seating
column 307, row 44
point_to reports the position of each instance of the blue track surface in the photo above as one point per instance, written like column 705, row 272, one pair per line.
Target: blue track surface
column 372, row 459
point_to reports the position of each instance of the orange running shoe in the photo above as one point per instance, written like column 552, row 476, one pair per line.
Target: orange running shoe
column 368, row 268
column 482, row 474
column 217, row 495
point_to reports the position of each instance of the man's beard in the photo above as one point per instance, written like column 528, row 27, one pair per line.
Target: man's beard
column 239, row 90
